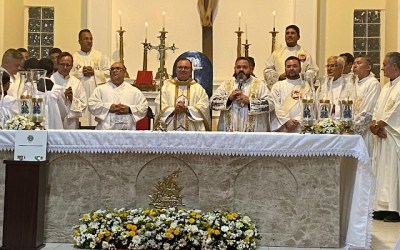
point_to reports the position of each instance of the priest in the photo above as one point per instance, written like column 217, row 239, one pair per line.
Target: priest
column 287, row 98
column 184, row 102
column 386, row 128
column 91, row 68
column 243, row 101
column 117, row 105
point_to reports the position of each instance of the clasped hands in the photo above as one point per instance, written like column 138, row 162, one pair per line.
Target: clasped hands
column 119, row 109
column 68, row 94
column 291, row 125
column 88, row 71
column 378, row 129
column 180, row 107
column 240, row 98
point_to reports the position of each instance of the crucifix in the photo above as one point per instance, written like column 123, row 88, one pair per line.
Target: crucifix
column 206, row 8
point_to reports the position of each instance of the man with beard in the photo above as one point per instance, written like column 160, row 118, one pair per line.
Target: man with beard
column 287, row 98
column 243, row 101
column 184, row 102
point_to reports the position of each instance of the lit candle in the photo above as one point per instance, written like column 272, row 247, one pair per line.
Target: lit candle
column 240, row 17
column 163, row 19
column 120, row 19
column 273, row 18
column 146, row 25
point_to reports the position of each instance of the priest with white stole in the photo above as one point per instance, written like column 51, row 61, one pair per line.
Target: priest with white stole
column 71, row 89
column 243, row 101
column 91, row 68
column 117, row 105
column 184, row 102
column 367, row 89
column 287, row 98
column 386, row 128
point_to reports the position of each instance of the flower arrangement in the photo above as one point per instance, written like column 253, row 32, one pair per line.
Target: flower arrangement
column 18, row 122
column 327, row 126
column 165, row 229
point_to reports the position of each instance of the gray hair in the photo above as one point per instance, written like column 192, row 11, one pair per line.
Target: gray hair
column 11, row 54
column 394, row 58
column 338, row 59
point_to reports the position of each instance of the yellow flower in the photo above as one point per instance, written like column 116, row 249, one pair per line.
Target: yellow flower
column 168, row 235
column 132, row 233
column 76, row 232
column 247, row 239
column 177, row 232
column 129, row 226
column 94, row 216
column 134, row 227
column 100, row 236
column 193, row 214
column 153, row 213
column 146, row 211
column 230, row 217
column 191, row 220
column 107, row 233
column 85, row 217
column 217, row 232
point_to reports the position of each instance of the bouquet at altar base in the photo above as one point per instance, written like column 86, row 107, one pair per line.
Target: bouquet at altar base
column 18, row 122
column 165, row 229
column 327, row 126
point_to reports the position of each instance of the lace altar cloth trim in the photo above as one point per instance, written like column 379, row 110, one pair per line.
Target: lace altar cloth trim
column 238, row 144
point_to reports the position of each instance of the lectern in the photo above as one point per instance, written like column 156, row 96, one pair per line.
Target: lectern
column 24, row 205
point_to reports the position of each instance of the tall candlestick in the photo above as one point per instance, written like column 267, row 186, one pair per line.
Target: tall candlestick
column 246, row 32
column 163, row 19
column 120, row 19
column 146, row 25
column 240, row 17
column 273, row 20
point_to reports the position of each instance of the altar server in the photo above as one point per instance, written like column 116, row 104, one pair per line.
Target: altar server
column 91, row 68
column 184, row 102
column 243, row 101
column 117, row 104
column 386, row 126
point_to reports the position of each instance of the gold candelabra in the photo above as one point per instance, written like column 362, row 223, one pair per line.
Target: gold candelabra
column 239, row 42
column 246, row 48
column 273, row 32
column 145, row 51
column 121, row 49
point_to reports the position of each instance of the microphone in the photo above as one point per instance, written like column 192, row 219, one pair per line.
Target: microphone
column 241, row 77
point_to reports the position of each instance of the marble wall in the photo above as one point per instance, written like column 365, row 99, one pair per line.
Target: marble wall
column 295, row 202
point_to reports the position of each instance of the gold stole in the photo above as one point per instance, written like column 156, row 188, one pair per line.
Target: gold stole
column 289, row 102
column 176, row 97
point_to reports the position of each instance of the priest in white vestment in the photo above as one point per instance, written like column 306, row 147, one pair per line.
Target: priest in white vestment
column 287, row 96
column 386, row 126
column 367, row 92
column 8, row 104
column 71, row 89
column 184, row 102
column 243, row 101
column 12, row 61
column 117, row 105
column 275, row 65
column 91, row 68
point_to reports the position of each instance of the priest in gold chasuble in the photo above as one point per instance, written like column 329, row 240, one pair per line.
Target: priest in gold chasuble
column 184, row 102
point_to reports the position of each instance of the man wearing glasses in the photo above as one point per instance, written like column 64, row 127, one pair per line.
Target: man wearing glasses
column 91, row 68
column 184, row 102
column 71, row 89
column 117, row 105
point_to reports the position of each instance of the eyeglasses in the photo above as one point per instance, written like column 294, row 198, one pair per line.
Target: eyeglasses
column 331, row 66
column 65, row 65
column 183, row 68
column 118, row 69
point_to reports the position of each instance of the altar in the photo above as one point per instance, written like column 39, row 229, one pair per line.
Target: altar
column 301, row 190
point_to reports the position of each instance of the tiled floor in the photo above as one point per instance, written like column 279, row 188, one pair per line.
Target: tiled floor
column 384, row 237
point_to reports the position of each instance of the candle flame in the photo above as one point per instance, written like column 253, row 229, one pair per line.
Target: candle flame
column 274, row 12
column 146, row 24
column 163, row 12
column 240, row 14
column 119, row 11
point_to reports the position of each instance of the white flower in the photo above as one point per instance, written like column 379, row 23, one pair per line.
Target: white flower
column 239, row 224
column 166, row 246
column 249, row 233
column 83, row 228
column 136, row 239
column 224, row 229
column 105, row 245
column 246, row 219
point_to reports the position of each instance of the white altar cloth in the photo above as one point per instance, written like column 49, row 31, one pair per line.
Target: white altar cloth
column 239, row 144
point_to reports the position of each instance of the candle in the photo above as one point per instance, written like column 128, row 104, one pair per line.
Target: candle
column 146, row 25
column 120, row 19
column 273, row 18
column 240, row 17
column 246, row 32
column 163, row 19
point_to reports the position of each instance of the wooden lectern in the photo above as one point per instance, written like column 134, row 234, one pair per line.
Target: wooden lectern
column 24, row 205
